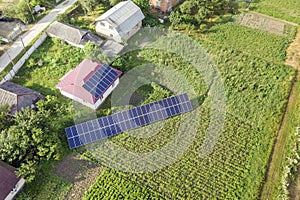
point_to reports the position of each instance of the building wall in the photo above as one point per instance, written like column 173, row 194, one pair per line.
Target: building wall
column 77, row 99
column 164, row 5
column 100, row 100
column 132, row 32
column 105, row 29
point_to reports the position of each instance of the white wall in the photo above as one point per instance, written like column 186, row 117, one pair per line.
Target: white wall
column 107, row 32
column 99, row 102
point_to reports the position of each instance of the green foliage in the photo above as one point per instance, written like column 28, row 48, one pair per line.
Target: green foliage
column 5, row 120
column 57, row 57
column 249, row 41
column 144, row 5
column 256, row 88
column 47, row 186
column 196, row 12
column 20, row 11
column 35, row 136
column 88, row 5
column 118, row 188
column 285, row 9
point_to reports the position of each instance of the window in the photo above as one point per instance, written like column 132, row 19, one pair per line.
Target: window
column 102, row 24
column 110, row 27
column 158, row 3
column 111, row 35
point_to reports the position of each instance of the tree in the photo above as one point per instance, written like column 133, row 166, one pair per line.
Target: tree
column 35, row 136
column 20, row 11
column 144, row 5
column 5, row 120
column 87, row 5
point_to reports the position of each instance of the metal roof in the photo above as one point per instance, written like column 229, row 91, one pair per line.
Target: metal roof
column 123, row 16
column 73, row 34
column 17, row 96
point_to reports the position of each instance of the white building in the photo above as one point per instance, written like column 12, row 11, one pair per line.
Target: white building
column 71, row 85
column 120, row 22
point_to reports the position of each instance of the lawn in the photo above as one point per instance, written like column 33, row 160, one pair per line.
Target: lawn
column 57, row 59
column 284, row 9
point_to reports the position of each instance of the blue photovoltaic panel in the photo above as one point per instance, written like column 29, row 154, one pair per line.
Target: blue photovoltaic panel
column 100, row 80
column 104, row 127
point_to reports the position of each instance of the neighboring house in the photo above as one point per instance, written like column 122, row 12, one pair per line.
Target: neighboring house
column 73, row 35
column 72, row 84
column 9, row 30
column 120, row 22
column 164, row 5
column 17, row 96
column 10, row 184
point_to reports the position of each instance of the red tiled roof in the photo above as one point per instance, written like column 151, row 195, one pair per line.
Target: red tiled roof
column 8, row 180
column 73, row 81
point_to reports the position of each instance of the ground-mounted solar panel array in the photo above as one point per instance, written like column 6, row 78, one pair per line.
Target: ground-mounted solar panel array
column 100, row 80
column 91, row 131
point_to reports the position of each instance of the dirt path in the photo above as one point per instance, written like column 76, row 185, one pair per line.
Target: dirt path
column 293, row 52
column 80, row 172
column 278, row 151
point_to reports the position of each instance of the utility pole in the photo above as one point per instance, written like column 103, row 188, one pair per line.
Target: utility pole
column 11, row 60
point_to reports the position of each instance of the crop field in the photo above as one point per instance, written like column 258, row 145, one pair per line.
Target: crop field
column 257, row 85
column 249, row 41
column 284, row 9
column 263, row 23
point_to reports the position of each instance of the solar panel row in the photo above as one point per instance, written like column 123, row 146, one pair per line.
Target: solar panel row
column 100, row 128
column 100, row 80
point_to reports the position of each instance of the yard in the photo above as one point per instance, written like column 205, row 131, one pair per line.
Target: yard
column 257, row 85
column 239, row 158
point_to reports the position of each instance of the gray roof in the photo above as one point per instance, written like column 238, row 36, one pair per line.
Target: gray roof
column 111, row 47
column 17, row 96
column 123, row 16
column 72, row 34
column 8, row 30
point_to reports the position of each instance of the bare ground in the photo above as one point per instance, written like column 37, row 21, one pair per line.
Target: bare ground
column 293, row 52
column 80, row 172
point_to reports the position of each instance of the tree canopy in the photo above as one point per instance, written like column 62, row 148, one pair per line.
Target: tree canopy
column 34, row 136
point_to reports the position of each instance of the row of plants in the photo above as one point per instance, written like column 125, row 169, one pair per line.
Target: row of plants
column 284, row 9
column 249, row 148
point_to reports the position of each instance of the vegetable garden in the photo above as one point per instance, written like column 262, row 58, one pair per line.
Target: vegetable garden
column 257, row 85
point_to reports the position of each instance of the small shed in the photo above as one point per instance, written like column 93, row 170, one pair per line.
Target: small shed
column 17, row 96
column 71, row 34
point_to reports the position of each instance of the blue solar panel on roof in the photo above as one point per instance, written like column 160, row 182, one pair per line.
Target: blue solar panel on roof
column 100, row 80
column 116, row 123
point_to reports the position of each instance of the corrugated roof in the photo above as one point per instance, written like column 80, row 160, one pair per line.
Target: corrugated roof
column 73, row 81
column 8, row 180
column 17, row 96
column 123, row 16
column 111, row 47
column 73, row 34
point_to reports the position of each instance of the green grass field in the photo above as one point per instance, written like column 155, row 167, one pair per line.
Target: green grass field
column 283, row 9
column 257, row 85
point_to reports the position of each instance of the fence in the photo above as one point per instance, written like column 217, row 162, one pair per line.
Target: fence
column 22, row 60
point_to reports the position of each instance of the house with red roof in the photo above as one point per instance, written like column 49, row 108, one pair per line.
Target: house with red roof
column 89, row 84
column 10, row 184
